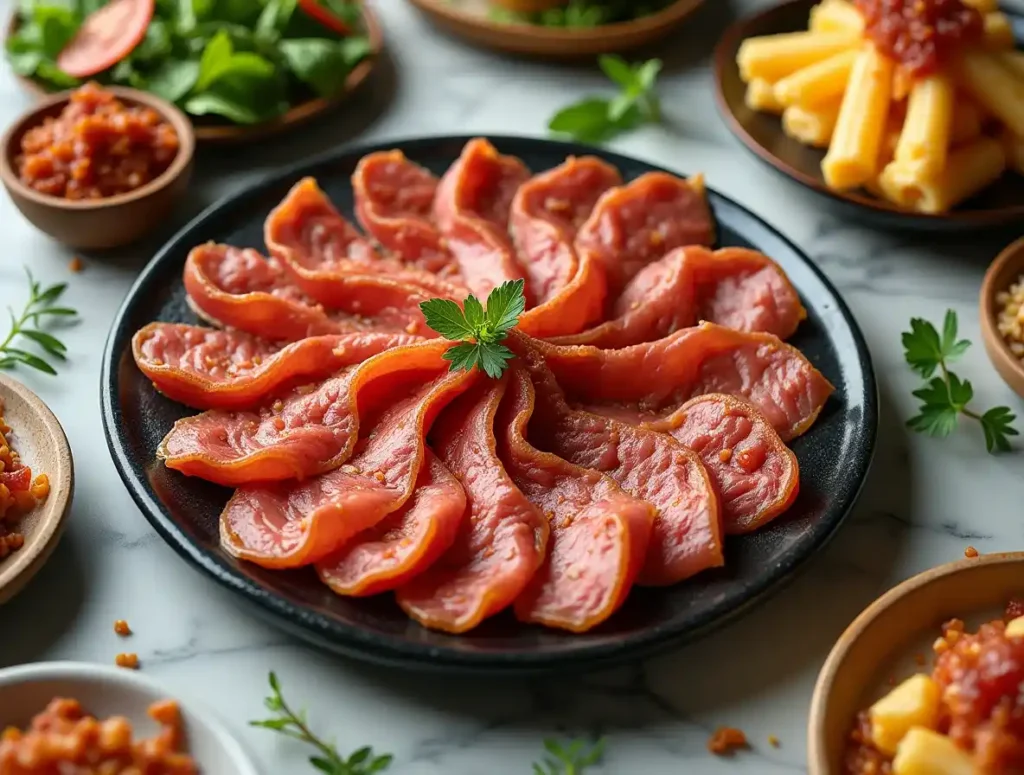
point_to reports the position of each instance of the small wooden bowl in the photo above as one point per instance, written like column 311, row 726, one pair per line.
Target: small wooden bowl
column 890, row 629
column 99, row 224
column 1004, row 271
column 550, row 43
column 38, row 437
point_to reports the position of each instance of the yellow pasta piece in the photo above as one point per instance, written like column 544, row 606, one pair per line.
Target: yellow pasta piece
column 811, row 126
column 902, row 83
column 1014, row 61
column 968, row 170
column 998, row 32
column 985, row 6
column 773, row 57
column 1014, row 147
column 995, row 87
column 853, row 155
column 967, row 123
column 817, row 84
column 924, row 141
column 761, row 97
column 836, row 15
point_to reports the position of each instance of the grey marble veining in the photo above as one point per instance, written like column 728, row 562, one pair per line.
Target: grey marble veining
column 925, row 501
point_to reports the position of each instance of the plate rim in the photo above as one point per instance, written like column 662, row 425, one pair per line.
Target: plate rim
column 355, row 641
column 724, row 60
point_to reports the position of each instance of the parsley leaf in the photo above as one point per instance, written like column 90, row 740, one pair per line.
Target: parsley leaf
column 571, row 759
column 480, row 331
column 945, row 398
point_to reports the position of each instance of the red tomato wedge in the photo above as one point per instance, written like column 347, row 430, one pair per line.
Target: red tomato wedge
column 106, row 37
column 317, row 10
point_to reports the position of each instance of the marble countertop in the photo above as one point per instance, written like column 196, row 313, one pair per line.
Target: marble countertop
column 925, row 501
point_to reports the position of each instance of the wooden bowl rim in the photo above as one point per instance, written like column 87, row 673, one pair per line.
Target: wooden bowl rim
column 723, row 59
column 1003, row 270
column 818, row 755
column 18, row 568
column 237, row 133
column 34, row 115
column 605, row 33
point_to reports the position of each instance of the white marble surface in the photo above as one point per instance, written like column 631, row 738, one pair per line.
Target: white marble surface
column 924, row 503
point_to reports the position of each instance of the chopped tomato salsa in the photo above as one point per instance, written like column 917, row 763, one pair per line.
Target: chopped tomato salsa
column 19, row 492
column 920, row 34
column 96, row 148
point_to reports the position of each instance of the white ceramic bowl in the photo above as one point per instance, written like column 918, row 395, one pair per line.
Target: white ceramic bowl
column 109, row 691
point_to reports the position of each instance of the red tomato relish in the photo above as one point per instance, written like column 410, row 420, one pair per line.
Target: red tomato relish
column 96, row 148
column 920, row 34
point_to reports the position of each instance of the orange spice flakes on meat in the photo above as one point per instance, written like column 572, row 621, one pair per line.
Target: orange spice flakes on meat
column 727, row 740
column 970, row 552
column 96, row 148
column 19, row 491
column 128, row 661
column 64, row 738
column 121, row 628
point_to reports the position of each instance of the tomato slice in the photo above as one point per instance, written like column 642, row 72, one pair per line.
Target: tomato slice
column 317, row 10
column 106, row 37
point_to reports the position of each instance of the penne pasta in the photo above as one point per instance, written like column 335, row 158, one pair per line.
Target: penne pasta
column 998, row 32
column 811, row 126
column 761, row 97
column 836, row 16
column 852, row 157
column 967, row 123
column 968, row 170
column 1014, row 147
column 985, row 6
column 1014, row 61
column 817, row 84
column 995, row 87
column 773, row 57
column 924, row 141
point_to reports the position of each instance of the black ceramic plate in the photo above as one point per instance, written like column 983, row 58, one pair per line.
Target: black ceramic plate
column 834, row 456
column 1000, row 204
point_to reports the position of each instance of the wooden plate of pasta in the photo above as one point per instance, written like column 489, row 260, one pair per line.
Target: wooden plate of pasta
column 931, row 143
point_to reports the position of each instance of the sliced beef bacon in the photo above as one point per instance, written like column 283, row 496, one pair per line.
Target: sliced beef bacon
column 503, row 538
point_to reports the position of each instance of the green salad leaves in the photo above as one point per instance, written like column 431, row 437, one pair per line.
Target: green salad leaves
column 246, row 61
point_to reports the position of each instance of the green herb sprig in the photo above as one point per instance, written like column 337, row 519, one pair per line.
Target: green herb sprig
column 581, row 14
column 945, row 398
column 41, row 306
column 597, row 119
column 293, row 724
column 481, row 331
column 572, row 759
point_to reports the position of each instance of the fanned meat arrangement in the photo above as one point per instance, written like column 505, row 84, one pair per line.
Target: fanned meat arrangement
column 642, row 419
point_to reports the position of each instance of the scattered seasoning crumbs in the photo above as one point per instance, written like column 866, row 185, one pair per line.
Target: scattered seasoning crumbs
column 76, row 265
column 129, row 661
column 727, row 740
column 773, row 741
column 121, row 628
column 971, row 552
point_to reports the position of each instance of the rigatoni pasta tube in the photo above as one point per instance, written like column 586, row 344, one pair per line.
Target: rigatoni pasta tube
column 995, row 87
column 853, row 155
column 968, row 170
column 836, row 15
column 984, row 6
column 924, row 141
column 998, row 32
column 817, row 84
column 761, row 97
column 811, row 126
column 773, row 57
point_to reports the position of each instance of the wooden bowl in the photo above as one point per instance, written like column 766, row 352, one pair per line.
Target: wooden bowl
column 889, row 630
column 98, row 224
column 37, row 436
column 211, row 132
column 762, row 133
column 553, row 43
column 1004, row 271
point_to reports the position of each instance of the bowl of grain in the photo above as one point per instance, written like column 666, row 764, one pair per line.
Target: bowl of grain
column 1002, row 315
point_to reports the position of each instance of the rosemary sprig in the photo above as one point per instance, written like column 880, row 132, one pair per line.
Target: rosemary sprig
column 41, row 305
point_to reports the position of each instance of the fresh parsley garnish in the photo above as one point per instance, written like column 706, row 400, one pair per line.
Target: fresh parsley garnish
column 480, row 331
column 294, row 725
column 41, row 305
column 946, row 397
column 572, row 759
column 596, row 119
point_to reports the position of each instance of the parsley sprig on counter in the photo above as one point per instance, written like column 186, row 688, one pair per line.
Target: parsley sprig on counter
column 40, row 308
column 597, row 119
column 946, row 397
column 481, row 331
column 571, row 759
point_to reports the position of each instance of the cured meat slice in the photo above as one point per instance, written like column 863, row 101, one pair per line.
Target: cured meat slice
column 208, row 368
column 599, row 534
column 756, row 476
column 647, row 382
column 650, row 466
column 403, row 544
column 289, row 525
column 503, row 538
column 547, row 211
column 326, row 256
column 472, row 212
column 301, row 434
column 394, row 204
column 638, row 223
